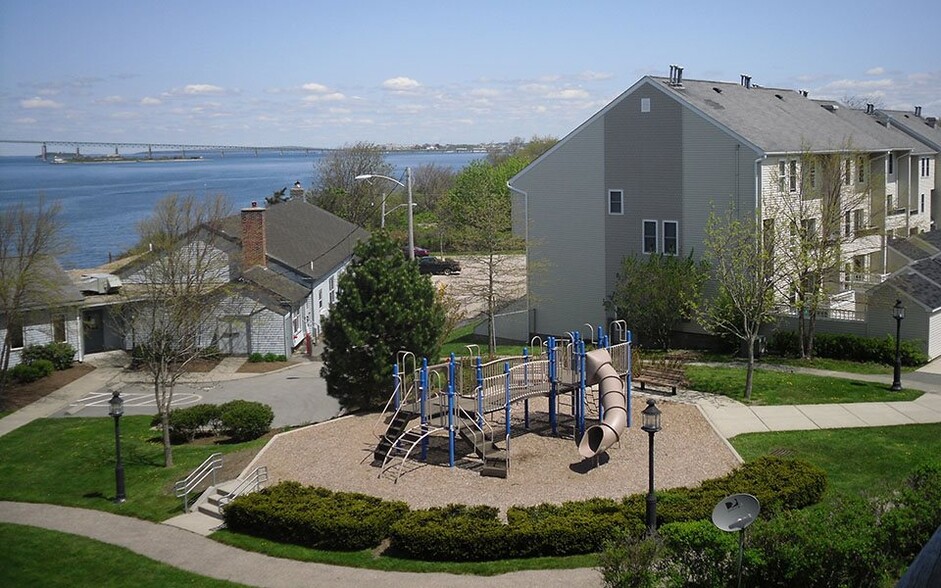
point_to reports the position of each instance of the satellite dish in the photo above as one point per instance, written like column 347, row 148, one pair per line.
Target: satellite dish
column 735, row 512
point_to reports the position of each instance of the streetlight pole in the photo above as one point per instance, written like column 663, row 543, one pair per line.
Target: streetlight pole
column 116, row 410
column 898, row 313
column 651, row 420
column 411, row 220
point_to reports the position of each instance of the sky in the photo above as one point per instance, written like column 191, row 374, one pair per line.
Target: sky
column 326, row 74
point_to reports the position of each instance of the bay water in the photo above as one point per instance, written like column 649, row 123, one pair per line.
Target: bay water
column 103, row 202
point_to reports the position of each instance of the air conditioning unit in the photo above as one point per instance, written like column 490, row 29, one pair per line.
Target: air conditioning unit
column 99, row 283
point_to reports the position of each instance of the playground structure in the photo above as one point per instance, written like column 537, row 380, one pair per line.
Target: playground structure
column 473, row 400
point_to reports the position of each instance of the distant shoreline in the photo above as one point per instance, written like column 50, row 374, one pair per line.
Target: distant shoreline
column 58, row 160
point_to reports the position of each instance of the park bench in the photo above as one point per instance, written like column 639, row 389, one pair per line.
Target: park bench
column 664, row 379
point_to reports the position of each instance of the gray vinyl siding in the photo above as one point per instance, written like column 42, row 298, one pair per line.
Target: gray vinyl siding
column 270, row 332
column 643, row 158
column 38, row 330
column 567, row 209
column 933, row 342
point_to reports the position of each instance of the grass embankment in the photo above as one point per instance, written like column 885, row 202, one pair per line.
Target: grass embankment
column 463, row 336
column 71, row 462
column 38, row 557
column 857, row 461
column 773, row 387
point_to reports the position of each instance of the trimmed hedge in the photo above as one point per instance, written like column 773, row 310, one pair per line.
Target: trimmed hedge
column 451, row 533
column 266, row 358
column 187, row 423
column 851, row 348
column 314, row 517
column 778, row 484
column 569, row 528
column 30, row 372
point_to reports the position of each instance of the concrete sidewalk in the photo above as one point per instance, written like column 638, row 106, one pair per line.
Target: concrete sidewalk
column 200, row 555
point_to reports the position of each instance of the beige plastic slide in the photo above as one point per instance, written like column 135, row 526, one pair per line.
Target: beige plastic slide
column 599, row 370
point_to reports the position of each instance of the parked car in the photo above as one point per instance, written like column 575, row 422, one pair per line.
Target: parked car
column 419, row 252
column 438, row 265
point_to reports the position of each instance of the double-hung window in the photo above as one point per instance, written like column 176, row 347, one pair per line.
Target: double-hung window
column 615, row 202
column 792, row 175
column 58, row 328
column 890, row 164
column 847, row 176
column 671, row 238
column 861, row 170
column 333, row 289
column 650, row 236
column 925, row 167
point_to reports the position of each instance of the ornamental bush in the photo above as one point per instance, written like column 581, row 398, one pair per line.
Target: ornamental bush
column 244, row 420
column 314, row 517
column 25, row 373
column 187, row 423
column 851, row 348
column 59, row 353
column 701, row 555
column 567, row 529
column 452, row 533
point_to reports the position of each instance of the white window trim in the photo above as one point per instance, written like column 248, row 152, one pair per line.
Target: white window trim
column 643, row 236
column 609, row 202
column 664, row 237
column 645, row 104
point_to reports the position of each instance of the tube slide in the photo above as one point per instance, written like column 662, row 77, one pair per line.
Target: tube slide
column 599, row 370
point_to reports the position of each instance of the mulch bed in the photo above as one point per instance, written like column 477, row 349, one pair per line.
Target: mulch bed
column 262, row 367
column 16, row 396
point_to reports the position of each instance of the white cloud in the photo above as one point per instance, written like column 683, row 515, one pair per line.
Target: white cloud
column 149, row 101
column 570, row 94
column 38, row 102
column 110, row 100
column 875, row 71
column 314, row 87
column 26, row 121
column 485, row 92
column 331, row 97
column 401, row 84
column 197, row 89
column 595, row 76
column 335, row 110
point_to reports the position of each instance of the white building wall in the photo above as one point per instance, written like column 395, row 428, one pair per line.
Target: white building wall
column 38, row 330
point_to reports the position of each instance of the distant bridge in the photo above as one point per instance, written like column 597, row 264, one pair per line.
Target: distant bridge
column 151, row 147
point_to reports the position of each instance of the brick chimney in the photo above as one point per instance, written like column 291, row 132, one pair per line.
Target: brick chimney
column 254, row 249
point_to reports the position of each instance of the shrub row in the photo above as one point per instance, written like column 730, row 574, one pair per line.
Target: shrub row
column 241, row 420
column 314, row 517
column 850, row 542
column 266, row 358
column 475, row 533
column 851, row 347
column 25, row 373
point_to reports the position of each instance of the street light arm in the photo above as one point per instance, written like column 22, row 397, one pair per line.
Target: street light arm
column 362, row 177
column 408, row 187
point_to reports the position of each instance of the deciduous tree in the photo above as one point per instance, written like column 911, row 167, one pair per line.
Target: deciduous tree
column 384, row 306
column 337, row 189
column 30, row 240
column 172, row 298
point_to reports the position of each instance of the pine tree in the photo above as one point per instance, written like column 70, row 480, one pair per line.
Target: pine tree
column 384, row 306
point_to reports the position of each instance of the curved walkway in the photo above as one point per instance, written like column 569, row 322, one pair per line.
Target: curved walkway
column 194, row 553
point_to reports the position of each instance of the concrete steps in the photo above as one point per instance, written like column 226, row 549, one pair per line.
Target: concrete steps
column 211, row 501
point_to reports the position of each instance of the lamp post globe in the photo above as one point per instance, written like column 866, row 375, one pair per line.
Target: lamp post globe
column 898, row 313
column 651, row 424
column 116, row 410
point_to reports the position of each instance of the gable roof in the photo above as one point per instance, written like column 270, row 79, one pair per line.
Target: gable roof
column 275, row 284
column 303, row 237
column 49, row 287
column 916, row 126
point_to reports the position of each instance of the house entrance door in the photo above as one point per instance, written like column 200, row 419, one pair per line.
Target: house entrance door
column 235, row 335
column 93, row 330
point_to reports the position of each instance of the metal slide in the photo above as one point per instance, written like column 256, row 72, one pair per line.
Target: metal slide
column 599, row 370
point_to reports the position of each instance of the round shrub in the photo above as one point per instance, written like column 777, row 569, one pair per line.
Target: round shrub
column 256, row 358
column 186, row 423
column 244, row 420
column 314, row 517
column 60, row 354
column 30, row 372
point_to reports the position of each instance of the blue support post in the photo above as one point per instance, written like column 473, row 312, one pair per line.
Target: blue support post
column 553, row 384
column 526, row 384
column 424, row 408
column 480, row 393
column 506, row 409
column 397, row 384
column 602, row 339
column 451, row 411
column 581, row 389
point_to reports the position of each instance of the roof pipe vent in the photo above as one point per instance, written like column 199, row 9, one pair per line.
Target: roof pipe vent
column 679, row 75
column 803, row 93
column 746, row 81
column 870, row 108
column 918, row 111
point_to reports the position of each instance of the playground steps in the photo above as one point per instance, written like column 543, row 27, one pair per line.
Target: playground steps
column 494, row 458
column 395, row 429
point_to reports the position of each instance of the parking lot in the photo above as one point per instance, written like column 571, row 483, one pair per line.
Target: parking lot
column 470, row 286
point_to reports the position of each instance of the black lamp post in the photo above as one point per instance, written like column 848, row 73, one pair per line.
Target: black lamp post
column 116, row 410
column 651, row 424
column 898, row 312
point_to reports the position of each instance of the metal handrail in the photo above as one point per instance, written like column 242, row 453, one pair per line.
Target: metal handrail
column 250, row 484
column 382, row 414
column 389, row 455
column 183, row 488
column 464, row 416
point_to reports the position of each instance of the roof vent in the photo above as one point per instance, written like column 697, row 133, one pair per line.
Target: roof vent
column 779, row 97
column 717, row 90
column 99, row 283
column 830, row 106
column 676, row 75
column 746, row 81
column 918, row 111
column 870, row 108
column 932, row 122
column 802, row 93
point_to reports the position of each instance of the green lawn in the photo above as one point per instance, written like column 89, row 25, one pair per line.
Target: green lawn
column 776, row 387
column 366, row 559
column 71, row 462
column 836, row 365
column 463, row 336
column 856, row 460
column 38, row 557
